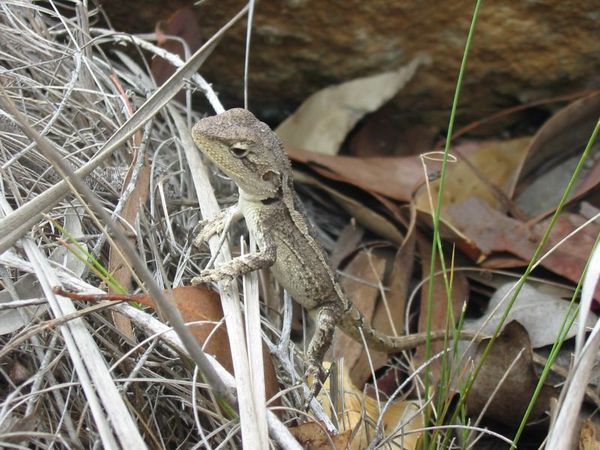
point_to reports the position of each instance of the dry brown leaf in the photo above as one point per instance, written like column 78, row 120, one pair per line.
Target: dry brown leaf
column 566, row 131
column 199, row 304
column 325, row 118
column 117, row 265
column 202, row 305
column 369, row 267
column 474, row 211
column 314, row 436
column 589, row 437
column 389, row 315
column 357, row 412
column 184, row 25
column 196, row 303
column 404, row 414
column 395, row 178
column 559, row 142
column 570, row 257
column 386, row 315
column 494, row 232
column 367, row 216
column 513, row 391
column 488, row 173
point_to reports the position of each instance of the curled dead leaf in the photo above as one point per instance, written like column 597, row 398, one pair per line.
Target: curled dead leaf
column 589, row 437
column 398, row 422
column 370, row 174
column 314, row 436
column 364, row 212
column 495, row 232
column 384, row 309
column 541, row 314
column 504, row 387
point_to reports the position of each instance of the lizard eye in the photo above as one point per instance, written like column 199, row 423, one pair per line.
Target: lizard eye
column 239, row 149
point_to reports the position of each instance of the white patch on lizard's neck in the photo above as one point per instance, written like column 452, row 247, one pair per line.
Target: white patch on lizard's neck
column 251, row 198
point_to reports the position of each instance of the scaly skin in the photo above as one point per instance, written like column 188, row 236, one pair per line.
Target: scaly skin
column 249, row 152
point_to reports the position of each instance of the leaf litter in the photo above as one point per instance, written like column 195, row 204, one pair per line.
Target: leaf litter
column 494, row 209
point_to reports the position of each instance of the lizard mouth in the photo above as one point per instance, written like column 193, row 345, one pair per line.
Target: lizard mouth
column 274, row 199
column 270, row 200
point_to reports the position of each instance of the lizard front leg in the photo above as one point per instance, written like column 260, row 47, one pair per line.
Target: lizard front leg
column 241, row 265
column 217, row 224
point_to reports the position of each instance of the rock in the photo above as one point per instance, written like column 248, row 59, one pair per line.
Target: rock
column 522, row 51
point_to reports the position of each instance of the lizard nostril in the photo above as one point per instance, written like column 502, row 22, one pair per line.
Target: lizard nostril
column 269, row 176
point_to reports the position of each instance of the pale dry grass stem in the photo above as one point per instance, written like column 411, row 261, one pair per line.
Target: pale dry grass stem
column 76, row 88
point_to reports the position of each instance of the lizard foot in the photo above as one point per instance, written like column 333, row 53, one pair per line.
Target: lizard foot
column 208, row 277
column 207, row 229
column 315, row 377
column 237, row 267
column 198, row 281
column 216, row 225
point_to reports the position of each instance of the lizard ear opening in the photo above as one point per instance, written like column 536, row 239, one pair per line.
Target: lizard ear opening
column 239, row 149
column 270, row 175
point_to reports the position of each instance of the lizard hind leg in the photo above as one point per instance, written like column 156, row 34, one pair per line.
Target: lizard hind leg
column 326, row 318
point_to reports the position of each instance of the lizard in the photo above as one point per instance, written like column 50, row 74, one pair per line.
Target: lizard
column 251, row 154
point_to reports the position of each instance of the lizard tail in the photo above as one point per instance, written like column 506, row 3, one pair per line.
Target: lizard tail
column 354, row 323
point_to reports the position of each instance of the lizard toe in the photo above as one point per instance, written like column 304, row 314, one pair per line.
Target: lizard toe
column 198, row 281
column 315, row 377
column 213, row 276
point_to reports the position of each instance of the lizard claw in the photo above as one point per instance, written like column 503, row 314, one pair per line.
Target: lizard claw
column 210, row 227
column 205, row 277
column 198, row 281
column 212, row 276
column 206, row 231
column 315, row 376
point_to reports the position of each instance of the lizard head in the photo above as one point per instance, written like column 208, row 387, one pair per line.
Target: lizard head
column 246, row 150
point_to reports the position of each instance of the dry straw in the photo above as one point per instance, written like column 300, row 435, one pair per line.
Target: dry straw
column 70, row 378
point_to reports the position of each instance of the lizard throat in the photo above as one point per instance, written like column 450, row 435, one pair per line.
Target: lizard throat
column 260, row 198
